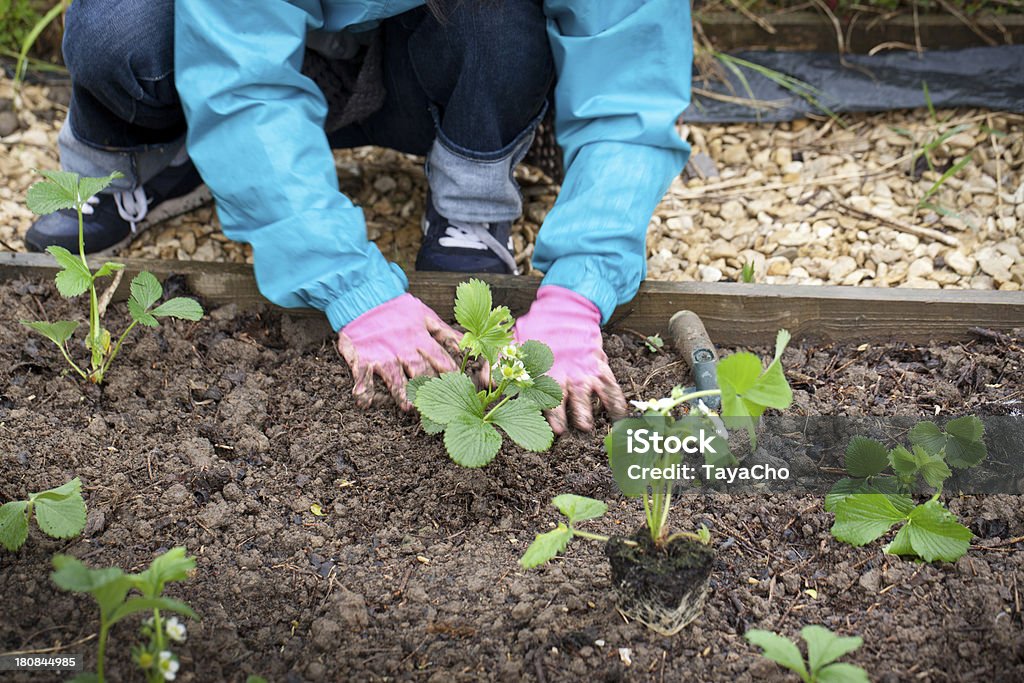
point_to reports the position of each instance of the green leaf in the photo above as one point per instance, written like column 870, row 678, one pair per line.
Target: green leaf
column 429, row 426
column 932, row 467
column 933, row 533
column 964, row 444
column 14, row 524
column 179, row 307
column 863, row 517
column 842, row 672
column 108, row 268
column 413, row 385
column 442, row 399
column 60, row 512
column 919, row 461
column 903, row 461
column 537, row 358
column 136, row 605
column 524, row 424
column 75, row 278
column 747, row 391
column 546, row 546
column 59, row 191
column 825, row 647
column 579, row 508
column 140, row 314
column 865, row 457
column 497, row 332
column 544, row 392
column 928, row 436
column 843, row 489
column 487, row 330
column 145, row 290
column 108, row 586
column 173, row 565
column 58, row 332
column 87, row 187
column 780, row 650
column 473, row 305
column 470, row 441
column 961, row 442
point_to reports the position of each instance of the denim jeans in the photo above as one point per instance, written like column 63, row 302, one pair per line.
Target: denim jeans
column 452, row 96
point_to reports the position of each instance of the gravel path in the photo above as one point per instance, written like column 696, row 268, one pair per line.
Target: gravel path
column 808, row 202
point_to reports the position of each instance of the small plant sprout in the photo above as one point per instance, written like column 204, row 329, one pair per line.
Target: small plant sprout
column 63, row 190
column 747, row 272
column 876, row 495
column 823, row 649
column 517, row 390
column 60, row 513
column 654, row 343
column 110, row 589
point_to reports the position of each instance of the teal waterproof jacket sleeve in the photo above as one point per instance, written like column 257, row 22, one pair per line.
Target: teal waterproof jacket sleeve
column 623, row 80
column 255, row 132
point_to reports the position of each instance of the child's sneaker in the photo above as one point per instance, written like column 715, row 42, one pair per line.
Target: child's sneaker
column 454, row 246
column 112, row 221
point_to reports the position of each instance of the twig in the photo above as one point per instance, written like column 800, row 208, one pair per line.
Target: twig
column 973, row 25
column 108, row 293
column 900, row 225
column 55, row 648
column 760, row 21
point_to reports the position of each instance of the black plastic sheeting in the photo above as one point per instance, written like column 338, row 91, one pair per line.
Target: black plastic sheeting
column 990, row 77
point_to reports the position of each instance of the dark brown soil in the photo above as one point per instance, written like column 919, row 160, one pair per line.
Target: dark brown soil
column 220, row 436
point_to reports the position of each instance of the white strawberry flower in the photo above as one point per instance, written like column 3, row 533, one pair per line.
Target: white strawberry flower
column 175, row 630
column 167, row 665
column 510, row 350
column 657, row 405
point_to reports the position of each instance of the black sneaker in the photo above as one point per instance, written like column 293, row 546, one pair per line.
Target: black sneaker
column 111, row 221
column 454, row 246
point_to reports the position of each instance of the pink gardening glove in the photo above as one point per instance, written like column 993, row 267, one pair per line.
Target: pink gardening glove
column 571, row 325
column 397, row 340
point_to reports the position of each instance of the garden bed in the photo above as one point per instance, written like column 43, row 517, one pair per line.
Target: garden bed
column 221, row 435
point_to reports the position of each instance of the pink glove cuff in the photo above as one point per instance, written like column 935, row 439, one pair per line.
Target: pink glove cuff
column 560, row 302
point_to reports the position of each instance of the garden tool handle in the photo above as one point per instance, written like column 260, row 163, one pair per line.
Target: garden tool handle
column 691, row 340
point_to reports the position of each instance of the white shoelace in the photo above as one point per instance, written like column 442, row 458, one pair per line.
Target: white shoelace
column 477, row 236
column 131, row 206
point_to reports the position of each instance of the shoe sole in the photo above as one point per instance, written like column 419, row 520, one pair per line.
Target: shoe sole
column 167, row 209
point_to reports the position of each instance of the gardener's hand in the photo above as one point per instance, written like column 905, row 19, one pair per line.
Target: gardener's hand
column 397, row 340
column 571, row 326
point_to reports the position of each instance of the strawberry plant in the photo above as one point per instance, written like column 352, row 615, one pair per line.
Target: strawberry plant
column 63, row 190
column 516, row 391
column 876, row 496
column 823, row 649
column 662, row 579
column 59, row 512
column 747, row 390
column 110, row 588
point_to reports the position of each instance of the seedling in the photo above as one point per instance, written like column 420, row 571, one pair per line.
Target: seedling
column 517, row 390
column 875, row 497
column 63, row 190
column 110, row 588
column 654, row 343
column 60, row 513
column 746, row 390
column 823, row 649
column 747, row 272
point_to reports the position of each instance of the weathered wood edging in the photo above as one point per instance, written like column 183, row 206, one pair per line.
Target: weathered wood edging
column 733, row 313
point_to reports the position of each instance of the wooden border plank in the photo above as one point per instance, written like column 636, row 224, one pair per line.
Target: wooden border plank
column 733, row 313
column 862, row 32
